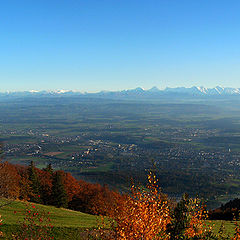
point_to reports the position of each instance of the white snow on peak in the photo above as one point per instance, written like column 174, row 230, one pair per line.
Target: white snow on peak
column 195, row 90
column 33, row 91
column 202, row 89
column 62, row 91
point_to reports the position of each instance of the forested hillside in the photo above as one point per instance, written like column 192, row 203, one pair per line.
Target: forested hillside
column 56, row 188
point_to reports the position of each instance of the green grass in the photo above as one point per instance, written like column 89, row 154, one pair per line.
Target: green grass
column 102, row 168
column 228, row 226
column 66, row 222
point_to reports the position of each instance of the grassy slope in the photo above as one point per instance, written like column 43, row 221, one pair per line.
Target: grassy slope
column 229, row 226
column 66, row 223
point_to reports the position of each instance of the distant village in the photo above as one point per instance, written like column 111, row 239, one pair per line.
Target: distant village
column 87, row 151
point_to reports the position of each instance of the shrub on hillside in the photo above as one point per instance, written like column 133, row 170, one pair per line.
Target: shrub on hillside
column 149, row 214
column 35, row 226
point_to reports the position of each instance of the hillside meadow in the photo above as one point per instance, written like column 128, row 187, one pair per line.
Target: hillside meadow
column 67, row 224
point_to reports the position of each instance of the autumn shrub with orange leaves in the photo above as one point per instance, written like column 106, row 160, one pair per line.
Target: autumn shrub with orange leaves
column 148, row 214
column 237, row 231
column 144, row 214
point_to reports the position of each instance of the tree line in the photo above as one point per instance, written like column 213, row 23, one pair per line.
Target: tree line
column 56, row 188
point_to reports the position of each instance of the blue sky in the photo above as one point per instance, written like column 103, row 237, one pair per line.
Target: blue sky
column 92, row 45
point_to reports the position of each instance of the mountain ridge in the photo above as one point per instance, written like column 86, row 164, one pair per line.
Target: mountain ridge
column 154, row 91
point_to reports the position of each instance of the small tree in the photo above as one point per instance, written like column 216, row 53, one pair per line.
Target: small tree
column 59, row 194
column 34, row 184
column 46, row 181
column 179, row 218
column 49, row 169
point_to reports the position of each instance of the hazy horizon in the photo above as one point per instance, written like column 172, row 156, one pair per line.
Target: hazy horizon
column 111, row 90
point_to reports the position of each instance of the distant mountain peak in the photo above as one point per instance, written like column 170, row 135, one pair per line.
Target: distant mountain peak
column 138, row 89
column 200, row 90
column 154, row 89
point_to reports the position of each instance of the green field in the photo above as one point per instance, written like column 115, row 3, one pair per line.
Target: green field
column 227, row 227
column 67, row 224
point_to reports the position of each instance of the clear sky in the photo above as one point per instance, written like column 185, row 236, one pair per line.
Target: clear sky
column 92, row 45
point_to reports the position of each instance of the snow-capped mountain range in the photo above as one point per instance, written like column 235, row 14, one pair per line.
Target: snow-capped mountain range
column 205, row 91
column 137, row 92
